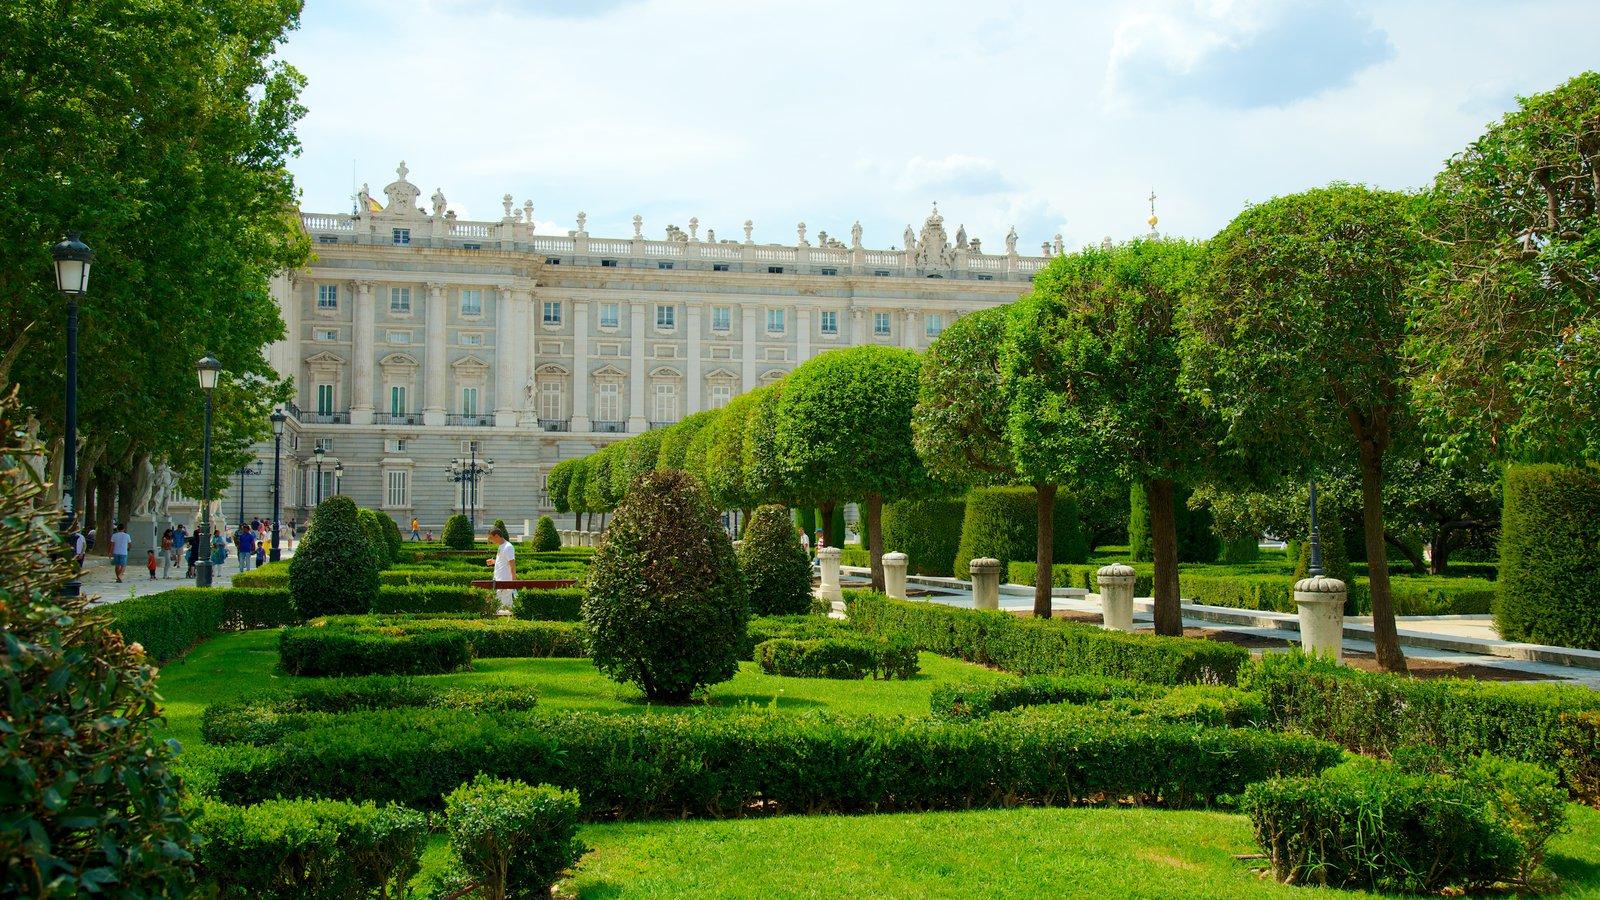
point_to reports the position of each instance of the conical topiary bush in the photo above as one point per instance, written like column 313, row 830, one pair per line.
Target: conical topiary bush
column 458, row 532
column 664, row 603
column 545, row 537
column 377, row 544
column 333, row 571
column 777, row 571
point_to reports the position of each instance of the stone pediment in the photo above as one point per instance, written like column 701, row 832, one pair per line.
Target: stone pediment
column 399, row 361
column 324, row 360
column 551, row 369
column 609, row 371
column 721, row 375
column 470, row 363
column 402, row 196
column 665, row 372
column 772, row 375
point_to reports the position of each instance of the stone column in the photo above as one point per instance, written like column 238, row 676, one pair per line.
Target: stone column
column 985, row 582
column 580, row 366
column 361, row 403
column 802, row 333
column 505, row 359
column 747, row 353
column 636, row 365
column 1116, row 596
column 858, row 322
column 829, row 589
column 1321, row 603
column 692, row 368
column 522, row 365
column 436, row 381
column 894, row 575
column 909, row 323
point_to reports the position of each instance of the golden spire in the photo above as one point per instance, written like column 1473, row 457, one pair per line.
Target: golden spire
column 1152, row 220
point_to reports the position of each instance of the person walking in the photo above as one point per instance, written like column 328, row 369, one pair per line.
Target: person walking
column 219, row 550
column 166, row 553
column 180, row 537
column 80, row 547
column 150, row 562
column 244, row 542
column 416, row 529
column 805, row 541
column 261, row 553
column 505, row 564
column 120, row 539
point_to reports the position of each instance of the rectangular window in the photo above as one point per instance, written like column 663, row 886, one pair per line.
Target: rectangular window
column 830, row 322
column 327, row 296
column 394, row 445
column 666, row 402
column 325, row 399
column 400, row 301
column 323, row 444
column 719, row 267
column 608, row 401
column 774, row 270
column 397, row 400
column 830, row 271
column 398, row 337
column 881, row 273
column 721, row 318
column 609, row 315
column 934, row 326
column 472, row 246
column 472, row 303
column 550, row 400
column 552, row 260
column 608, row 264
column 552, row 312
column 469, row 339
column 880, row 324
column 775, row 321
column 402, row 237
column 469, row 401
column 666, row 316
column 663, row 265
column 327, row 239
column 325, row 334
column 721, row 393
column 468, row 448
column 399, row 488
column 985, row 277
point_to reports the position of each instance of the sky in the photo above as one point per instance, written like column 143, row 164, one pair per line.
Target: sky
column 1051, row 117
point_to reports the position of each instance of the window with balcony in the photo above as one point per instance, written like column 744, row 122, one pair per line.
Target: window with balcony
column 469, row 401
column 325, row 399
column 830, row 321
column 775, row 321
column 721, row 318
column 472, row 303
column 327, row 296
column 880, row 324
column 552, row 400
column 400, row 301
column 552, row 312
column 666, row 316
column 610, row 315
column 397, row 400
column 608, row 401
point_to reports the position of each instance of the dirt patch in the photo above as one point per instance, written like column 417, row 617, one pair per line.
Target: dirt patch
column 1438, row 668
column 1165, row 860
column 1071, row 615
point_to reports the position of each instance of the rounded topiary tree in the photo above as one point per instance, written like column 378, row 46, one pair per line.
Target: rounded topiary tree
column 664, row 602
column 776, row 569
column 391, row 535
column 1003, row 523
column 545, row 537
column 377, row 541
column 1549, row 585
column 928, row 532
column 458, row 532
column 333, row 570
column 501, row 525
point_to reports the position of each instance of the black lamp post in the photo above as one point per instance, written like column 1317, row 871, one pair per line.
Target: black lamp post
column 207, row 369
column 73, row 259
column 244, row 470
column 277, row 418
column 338, row 477
column 468, row 473
column 318, row 453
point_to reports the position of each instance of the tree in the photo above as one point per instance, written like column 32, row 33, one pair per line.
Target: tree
column 763, row 467
column 333, row 571
column 598, row 489
column 1298, row 332
column 545, row 537
column 844, row 430
column 556, row 486
column 1091, row 357
column 1510, row 329
column 721, row 469
column 457, row 533
column 578, row 489
column 391, row 535
column 665, row 604
column 777, row 570
column 675, row 443
column 635, row 456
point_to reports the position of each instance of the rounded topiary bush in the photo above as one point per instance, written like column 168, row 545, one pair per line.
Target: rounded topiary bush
column 1003, row 523
column 1549, row 586
column 928, row 532
column 391, row 534
column 664, row 603
column 333, row 570
column 458, row 532
column 545, row 537
column 777, row 571
column 377, row 541
column 501, row 524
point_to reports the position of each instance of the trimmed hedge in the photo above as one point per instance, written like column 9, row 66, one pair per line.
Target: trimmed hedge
column 1212, row 705
column 1197, row 543
column 1003, row 523
column 776, row 569
column 1045, row 646
column 1550, row 557
column 1556, row 726
column 928, row 532
column 667, row 766
column 418, row 645
column 545, row 538
column 169, row 623
column 980, row 699
column 264, row 719
column 548, row 605
column 842, row 657
column 433, row 598
column 798, row 628
column 333, row 570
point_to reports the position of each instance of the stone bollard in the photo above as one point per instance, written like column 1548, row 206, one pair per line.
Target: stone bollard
column 985, row 583
column 1116, row 596
column 829, row 590
column 1321, row 602
column 894, row 575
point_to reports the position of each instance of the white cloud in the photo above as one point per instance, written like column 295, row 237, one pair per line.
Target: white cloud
column 956, row 173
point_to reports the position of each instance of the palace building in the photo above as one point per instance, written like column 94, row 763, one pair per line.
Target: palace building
column 419, row 342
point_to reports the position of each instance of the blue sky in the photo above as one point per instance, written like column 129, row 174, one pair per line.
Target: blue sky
column 1049, row 116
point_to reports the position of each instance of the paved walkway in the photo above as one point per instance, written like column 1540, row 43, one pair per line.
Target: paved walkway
column 99, row 579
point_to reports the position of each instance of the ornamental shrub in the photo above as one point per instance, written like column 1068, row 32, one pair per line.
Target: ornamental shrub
column 333, row 570
column 1197, row 542
column 928, row 532
column 807, row 627
column 262, row 719
column 501, row 524
column 458, row 533
column 1549, row 587
column 418, row 644
column 976, row 700
column 777, row 571
column 377, row 542
column 852, row 657
column 511, row 839
column 1003, row 523
column 434, row 598
column 391, row 534
column 320, row 849
column 664, row 603
column 167, row 624
column 545, row 538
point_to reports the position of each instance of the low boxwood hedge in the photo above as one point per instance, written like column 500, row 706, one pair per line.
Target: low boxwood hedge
column 1196, row 704
column 852, row 657
column 800, row 628
column 418, row 645
column 549, row 604
column 1044, row 646
column 978, row 700
column 676, row 765
column 169, row 623
column 434, row 598
column 264, row 718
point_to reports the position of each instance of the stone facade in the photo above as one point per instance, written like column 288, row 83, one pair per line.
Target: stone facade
column 412, row 333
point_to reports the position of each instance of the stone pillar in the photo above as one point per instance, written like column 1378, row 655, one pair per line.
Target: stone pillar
column 522, row 364
column 985, row 583
column 858, row 321
column 802, row 334
column 636, row 366
column 361, row 403
column 505, row 360
column 747, row 354
column 1116, row 596
column 692, row 368
column 894, row 575
column 908, row 339
column 1321, row 603
column 436, row 381
column 829, row 590
column 580, row 366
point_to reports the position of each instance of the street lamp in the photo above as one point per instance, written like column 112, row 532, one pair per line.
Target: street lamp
column 277, row 418
column 468, row 473
column 245, row 470
column 73, row 259
column 318, row 453
column 338, row 476
column 1314, row 566
column 207, row 369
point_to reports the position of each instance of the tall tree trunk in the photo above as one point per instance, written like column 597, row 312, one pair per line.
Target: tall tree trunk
column 1044, row 550
column 105, row 499
column 125, row 490
column 1164, row 541
column 577, row 520
column 875, row 538
column 84, row 513
column 1384, row 635
column 1412, row 556
column 826, row 525
column 744, row 521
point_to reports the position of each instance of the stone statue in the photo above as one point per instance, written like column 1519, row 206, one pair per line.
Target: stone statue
column 694, row 228
column 748, row 227
column 855, row 235
column 401, row 170
column 638, row 227
column 438, row 201
column 583, row 219
column 1011, row 241
column 1060, row 248
column 363, row 200
column 976, row 245
column 800, row 230
column 961, row 237
column 143, row 486
column 527, row 212
column 911, row 239
column 711, row 235
column 505, row 201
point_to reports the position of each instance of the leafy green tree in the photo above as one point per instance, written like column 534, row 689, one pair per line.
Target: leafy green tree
column 556, row 486
column 578, row 489
column 1298, row 330
column 545, row 537
column 763, row 467
column 722, row 469
column 639, row 456
column 599, row 488
column 777, row 570
column 675, row 443
column 1092, row 361
column 391, row 535
column 844, row 430
column 1510, row 330
column 333, row 571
